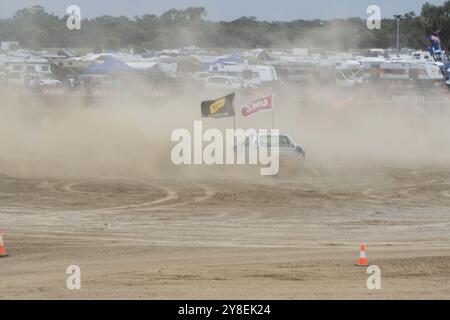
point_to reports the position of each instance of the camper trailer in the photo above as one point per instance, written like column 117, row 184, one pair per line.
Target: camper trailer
column 253, row 75
column 401, row 70
column 18, row 71
column 304, row 71
column 343, row 73
column 422, row 56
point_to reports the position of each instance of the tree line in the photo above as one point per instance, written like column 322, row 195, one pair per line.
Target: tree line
column 35, row 28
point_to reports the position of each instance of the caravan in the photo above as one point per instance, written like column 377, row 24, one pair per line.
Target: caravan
column 252, row 75
column 18, row 71
column 401, row 70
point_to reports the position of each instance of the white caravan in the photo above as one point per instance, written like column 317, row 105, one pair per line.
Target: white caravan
column 253, row 75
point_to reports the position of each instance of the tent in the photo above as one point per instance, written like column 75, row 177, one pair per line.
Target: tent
column 110, row 66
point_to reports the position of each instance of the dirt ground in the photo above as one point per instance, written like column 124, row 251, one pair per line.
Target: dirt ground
column 264, row 238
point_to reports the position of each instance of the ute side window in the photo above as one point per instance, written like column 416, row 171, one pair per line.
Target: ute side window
column 285, row 142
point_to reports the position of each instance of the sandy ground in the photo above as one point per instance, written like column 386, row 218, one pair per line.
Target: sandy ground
column 267, row 238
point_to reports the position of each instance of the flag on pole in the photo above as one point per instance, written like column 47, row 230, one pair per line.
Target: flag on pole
column 435, row 38
column 435, row 48
column 438, row 54
column 219, row 108
column 262, row 104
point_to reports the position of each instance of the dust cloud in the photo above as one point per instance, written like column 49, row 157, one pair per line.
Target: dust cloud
column 127, row 136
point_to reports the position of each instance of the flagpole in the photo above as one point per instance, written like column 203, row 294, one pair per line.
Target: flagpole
column 442, row 56
column 234, row 120
column 444, row 59
column 273, row 111
column 234, row 112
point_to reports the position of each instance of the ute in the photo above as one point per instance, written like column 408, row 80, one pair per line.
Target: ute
column 285, row 144
column 290, row 152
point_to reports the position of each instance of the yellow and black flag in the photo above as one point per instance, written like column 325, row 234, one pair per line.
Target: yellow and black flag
column 219, row 108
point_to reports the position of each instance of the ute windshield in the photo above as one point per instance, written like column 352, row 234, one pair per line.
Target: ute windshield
column 273, row 141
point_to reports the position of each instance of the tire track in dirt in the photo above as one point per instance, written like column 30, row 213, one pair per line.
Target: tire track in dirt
column 74, row 192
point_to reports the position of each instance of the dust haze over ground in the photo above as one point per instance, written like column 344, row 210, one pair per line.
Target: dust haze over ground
column 93, row 185
column 129, row 137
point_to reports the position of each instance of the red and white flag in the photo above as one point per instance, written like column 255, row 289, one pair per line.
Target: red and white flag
column 262, row 104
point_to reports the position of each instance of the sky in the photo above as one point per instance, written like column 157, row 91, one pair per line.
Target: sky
column 226, row 10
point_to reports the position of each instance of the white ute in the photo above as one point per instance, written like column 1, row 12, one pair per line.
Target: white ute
column 291, row 154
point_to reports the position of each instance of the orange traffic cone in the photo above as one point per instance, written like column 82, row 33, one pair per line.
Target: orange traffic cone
column 3, row 253
column 362, row 256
